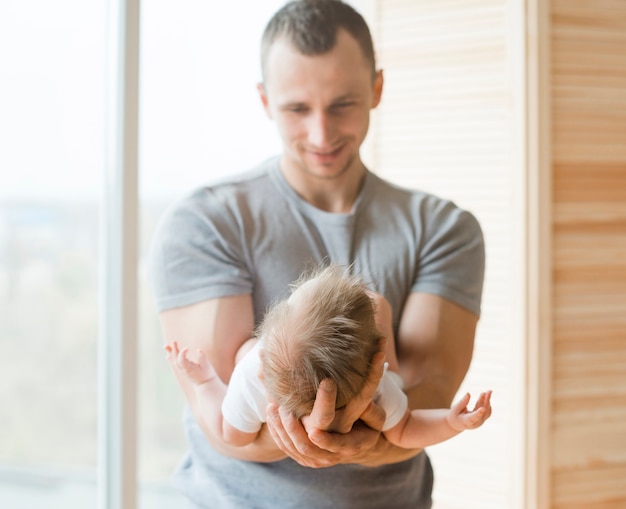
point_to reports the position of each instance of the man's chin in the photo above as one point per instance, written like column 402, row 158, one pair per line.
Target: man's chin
column 328, row 171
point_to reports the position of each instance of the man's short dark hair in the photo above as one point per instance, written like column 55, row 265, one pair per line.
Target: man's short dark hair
column 312, row 26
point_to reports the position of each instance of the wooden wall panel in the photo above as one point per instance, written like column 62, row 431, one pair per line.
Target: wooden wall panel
column 450, row 123
column 589, row 237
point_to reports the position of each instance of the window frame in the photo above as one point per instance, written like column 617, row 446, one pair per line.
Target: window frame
column 118, row 338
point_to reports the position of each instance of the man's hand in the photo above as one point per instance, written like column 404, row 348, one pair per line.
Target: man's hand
column 324, row 416
column 329, row 437
column 333, row 449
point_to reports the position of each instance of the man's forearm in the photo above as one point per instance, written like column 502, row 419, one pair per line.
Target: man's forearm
column 262, row 450
column 435, row 392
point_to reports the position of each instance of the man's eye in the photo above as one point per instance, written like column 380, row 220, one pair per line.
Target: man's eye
column 341, row 107
column 296, row 109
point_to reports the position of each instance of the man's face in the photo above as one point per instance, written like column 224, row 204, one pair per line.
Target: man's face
column 321, row 106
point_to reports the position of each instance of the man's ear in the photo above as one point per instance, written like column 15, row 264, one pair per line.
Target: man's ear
column 378, row 88
column 261, row 89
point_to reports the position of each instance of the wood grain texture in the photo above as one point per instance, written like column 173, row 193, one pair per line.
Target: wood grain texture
column 589, row 258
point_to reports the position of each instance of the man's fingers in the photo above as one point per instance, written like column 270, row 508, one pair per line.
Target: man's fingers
column 297, row 435
column 374, row 416
column 325, row 418
column 280, row 427
column 360, row 438
column 300, row 449
column 323, row 413
column 373, row 379
column 358, row 405
column 277, row 431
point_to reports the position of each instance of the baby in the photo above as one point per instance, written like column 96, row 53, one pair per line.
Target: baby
column 329, row 328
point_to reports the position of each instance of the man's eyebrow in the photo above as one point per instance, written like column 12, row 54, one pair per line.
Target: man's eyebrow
column 302, row 104
column 292, row 104
column 345, row 97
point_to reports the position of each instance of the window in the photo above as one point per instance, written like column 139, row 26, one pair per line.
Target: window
column 200, row 118
column 51, row 126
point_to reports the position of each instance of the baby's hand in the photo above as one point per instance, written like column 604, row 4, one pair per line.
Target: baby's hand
column 460, row 418
column 198, row 372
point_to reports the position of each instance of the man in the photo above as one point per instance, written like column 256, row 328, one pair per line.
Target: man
column 225, row 253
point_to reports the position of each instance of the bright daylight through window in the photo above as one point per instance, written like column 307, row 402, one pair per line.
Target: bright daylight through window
column 192, row 98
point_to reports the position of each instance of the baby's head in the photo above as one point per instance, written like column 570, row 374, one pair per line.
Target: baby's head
column 324, row 330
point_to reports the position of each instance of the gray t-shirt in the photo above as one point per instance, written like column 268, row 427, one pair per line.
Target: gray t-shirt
column 252, row 234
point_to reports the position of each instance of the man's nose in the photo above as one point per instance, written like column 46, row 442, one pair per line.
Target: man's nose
column 320, row 130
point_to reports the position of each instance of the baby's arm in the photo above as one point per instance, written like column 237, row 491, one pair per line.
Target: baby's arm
column 423, row 427
column 210, row 391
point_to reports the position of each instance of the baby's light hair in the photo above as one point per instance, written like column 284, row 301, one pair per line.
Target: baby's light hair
column 326, row 329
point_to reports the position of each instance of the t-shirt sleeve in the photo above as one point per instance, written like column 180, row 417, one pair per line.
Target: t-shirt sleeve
column 392, row 398
column 197, row 253
column 452, row 256
column 245, row 402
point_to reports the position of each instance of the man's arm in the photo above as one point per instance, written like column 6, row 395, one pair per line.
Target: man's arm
column 218, row 327
column 435, row 346
column 210, row 393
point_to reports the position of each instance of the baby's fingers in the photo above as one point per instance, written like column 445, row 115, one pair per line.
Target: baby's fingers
column 183, row 361
column 484, row 401
column 170, row 349
column 475, row 418
column 172, row 352
column 460, row 406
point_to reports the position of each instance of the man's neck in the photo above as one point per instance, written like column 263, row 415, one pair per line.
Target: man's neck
column 336, row 194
